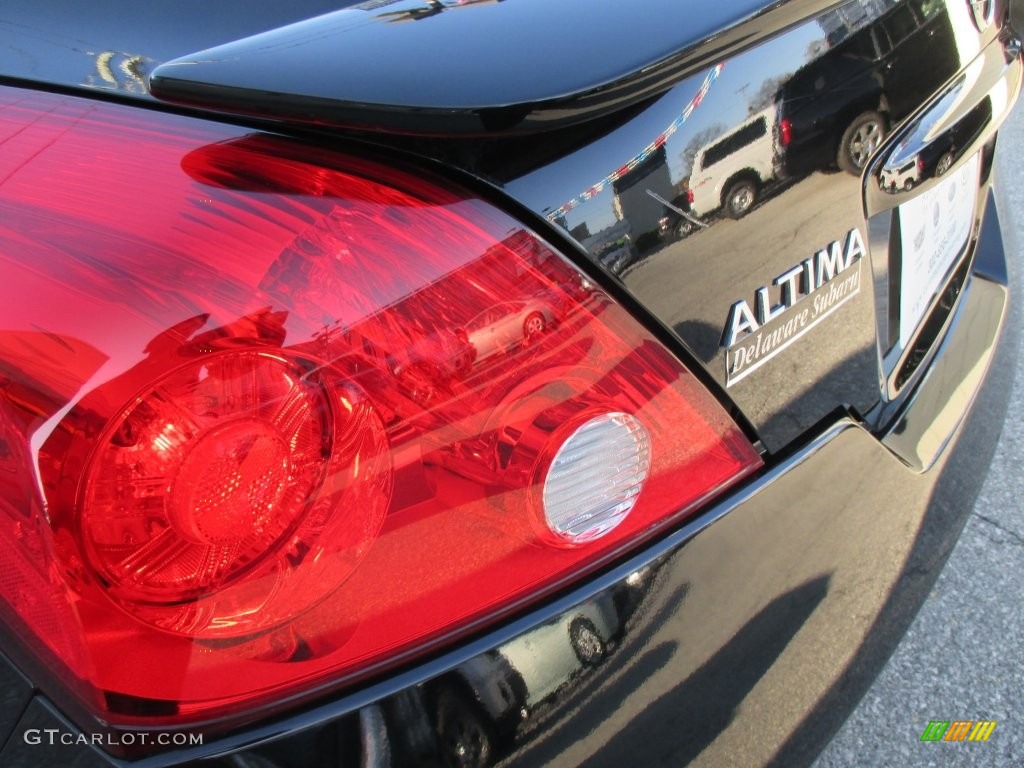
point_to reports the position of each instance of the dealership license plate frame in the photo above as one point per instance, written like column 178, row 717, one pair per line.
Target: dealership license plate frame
column 935, row 227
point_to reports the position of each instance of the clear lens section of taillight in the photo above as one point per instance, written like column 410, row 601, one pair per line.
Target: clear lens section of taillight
column 275, row 417
column 596, row 477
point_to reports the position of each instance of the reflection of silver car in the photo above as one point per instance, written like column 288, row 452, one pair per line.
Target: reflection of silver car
column 508, row 324
column 480, row 707
column 616, row 255
column 551, row 655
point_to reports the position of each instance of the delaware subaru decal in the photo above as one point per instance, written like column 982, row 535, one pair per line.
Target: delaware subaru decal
column 829, row 278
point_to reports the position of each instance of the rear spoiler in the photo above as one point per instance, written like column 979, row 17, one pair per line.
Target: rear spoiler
column 471, row 67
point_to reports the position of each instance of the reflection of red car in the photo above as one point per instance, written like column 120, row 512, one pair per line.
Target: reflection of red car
column 508, row 324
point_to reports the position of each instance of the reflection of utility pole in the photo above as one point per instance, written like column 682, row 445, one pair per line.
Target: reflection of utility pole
column 742, row 91
column 685, row 214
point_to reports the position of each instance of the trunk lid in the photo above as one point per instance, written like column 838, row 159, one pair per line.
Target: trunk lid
column 717, row 173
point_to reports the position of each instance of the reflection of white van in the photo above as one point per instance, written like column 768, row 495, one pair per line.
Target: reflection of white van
column 730, row 172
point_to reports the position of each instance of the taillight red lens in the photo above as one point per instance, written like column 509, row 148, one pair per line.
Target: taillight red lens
column 785, row 132
column 276, row 416
column 233, row 493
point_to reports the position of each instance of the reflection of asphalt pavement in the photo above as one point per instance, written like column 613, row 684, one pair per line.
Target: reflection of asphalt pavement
column 963, row 657
column 741, row 252
column 734, row 258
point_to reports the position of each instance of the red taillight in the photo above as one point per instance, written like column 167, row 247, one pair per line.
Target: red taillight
column 233, row 493
column 276, row 417
column 785, row 132
column 689, row 196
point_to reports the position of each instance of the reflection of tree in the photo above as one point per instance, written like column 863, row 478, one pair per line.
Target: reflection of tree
column 815, row 48
column 765, row 95
column 843, row 22
column 763, row 98
column 697, row 142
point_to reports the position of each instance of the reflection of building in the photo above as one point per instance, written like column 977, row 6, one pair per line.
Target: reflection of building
column 633, row 203
column 580, row 232
column 842, row 22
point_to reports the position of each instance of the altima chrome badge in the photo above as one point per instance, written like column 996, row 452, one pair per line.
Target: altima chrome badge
column 749, row 341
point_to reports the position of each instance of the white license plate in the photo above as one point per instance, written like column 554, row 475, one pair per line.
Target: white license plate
column 934, row 228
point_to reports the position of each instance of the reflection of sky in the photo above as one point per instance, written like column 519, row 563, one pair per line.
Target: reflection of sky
column 726, row 105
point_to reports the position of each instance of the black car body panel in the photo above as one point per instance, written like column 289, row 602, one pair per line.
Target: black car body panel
column 115, row 51
column 524, row 73
column 883, row 67
column 835, row 364
column 745, row 636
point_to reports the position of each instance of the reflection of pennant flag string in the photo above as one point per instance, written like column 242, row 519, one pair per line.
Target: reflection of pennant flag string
column 647, row 151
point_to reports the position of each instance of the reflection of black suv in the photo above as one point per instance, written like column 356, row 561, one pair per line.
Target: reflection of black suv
column 837, row 109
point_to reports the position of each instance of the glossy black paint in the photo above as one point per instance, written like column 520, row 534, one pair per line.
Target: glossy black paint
column 798, row 201
column 15, row 693
column 884, row 67
column 113, row 49
column 469, row 66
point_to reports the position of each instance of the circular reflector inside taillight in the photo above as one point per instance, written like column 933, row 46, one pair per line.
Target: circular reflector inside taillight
column 595, row 477
column 234, row 493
